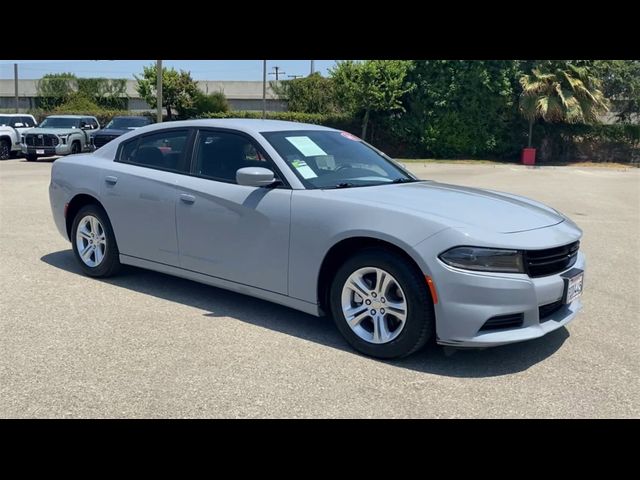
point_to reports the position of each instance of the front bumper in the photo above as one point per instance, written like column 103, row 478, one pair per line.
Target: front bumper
column 48, row 151
column 468, row 299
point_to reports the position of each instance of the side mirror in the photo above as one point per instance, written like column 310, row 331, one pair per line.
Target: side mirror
column 255, row 177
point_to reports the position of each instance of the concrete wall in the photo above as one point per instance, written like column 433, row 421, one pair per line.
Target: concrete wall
column 242, row 95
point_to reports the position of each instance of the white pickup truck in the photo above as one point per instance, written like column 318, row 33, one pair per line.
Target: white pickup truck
column 12, row 126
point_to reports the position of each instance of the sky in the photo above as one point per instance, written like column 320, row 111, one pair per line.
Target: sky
column 200, row 69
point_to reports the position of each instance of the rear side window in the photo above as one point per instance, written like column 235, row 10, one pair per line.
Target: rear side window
column 165, row 150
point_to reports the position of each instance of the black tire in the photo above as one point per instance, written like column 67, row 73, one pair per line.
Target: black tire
column 111, row 262
column 31, row 157
column 5, row 149
column 75, row 148
column 420, row 323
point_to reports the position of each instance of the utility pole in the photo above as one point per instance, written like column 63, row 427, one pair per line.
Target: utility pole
column 264, row 89
column 15, row 79
column 312, row 69
column 159, row 89
column 277, row 72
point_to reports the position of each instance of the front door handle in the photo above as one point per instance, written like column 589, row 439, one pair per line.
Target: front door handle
column 189, row 199
column 111, row 180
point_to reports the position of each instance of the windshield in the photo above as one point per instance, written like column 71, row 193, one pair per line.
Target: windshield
column 4, row 120
column 330, row 159
column 60, row 122
column 124, row 123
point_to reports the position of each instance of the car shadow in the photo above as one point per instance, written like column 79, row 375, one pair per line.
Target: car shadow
column 219, row 303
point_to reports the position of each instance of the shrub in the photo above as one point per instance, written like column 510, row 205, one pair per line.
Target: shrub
column 594, row 143
column 214, row 102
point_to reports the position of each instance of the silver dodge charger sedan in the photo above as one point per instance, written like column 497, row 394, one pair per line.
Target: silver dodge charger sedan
column 318, row 220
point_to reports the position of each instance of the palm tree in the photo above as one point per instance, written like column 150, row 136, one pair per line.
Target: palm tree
column 558, row 92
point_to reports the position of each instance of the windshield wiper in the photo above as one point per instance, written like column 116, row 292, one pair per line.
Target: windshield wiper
column 403, row 180
column 343, row 185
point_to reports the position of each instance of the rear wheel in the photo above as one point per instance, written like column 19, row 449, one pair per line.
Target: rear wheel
column 94, row 244
column 381, row 304
column 5, row 149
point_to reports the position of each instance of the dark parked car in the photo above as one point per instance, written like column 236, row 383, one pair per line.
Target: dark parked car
column 119, row 126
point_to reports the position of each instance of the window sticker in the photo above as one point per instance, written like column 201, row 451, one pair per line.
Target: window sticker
column 349, row 136
column 304, row 169
column 306, row 146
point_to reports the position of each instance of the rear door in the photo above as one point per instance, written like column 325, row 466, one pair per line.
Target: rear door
column 139, row 193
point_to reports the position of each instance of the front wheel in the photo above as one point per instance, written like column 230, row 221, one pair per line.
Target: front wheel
column 381, row 304
column 75, row 148
column 5, row 149
column 94, row 244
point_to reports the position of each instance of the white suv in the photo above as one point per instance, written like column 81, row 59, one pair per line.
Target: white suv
column 12, row 126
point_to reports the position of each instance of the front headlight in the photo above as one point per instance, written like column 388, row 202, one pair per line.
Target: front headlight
column 484, row 259
column 63, row 138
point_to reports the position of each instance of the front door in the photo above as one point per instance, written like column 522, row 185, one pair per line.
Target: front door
column 231, row 231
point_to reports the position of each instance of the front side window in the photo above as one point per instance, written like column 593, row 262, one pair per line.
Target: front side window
column 331, row 159
column 221, row 154
column 165, row 150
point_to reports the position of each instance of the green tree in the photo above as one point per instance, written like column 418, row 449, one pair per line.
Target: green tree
column 557, row 91
column 55, row 89
column 621, row 85
column 212, row 103
column 106, row 92
column 460, row 108
column 372, row 86
column 312, row 94
column 179, row 90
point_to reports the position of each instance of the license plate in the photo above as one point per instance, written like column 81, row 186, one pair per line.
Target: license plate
column 39, row 151
column 573, row 287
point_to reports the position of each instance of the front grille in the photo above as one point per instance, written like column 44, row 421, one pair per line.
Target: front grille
column 545, row 311
column 101, row 140
column 41, row 140
column 513, row 320
column 540, row 263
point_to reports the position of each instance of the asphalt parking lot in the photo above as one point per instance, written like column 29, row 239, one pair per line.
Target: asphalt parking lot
column 145, row 344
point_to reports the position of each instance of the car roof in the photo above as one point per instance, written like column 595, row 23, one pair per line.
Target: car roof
column 247, row 125
column 70, row 116
column 16, row 115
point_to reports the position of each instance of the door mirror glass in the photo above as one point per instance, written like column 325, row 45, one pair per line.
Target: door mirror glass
column 255, row 177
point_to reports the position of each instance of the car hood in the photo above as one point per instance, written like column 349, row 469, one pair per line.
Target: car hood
column 55, row 131
column 495, row 211
column 113, row 131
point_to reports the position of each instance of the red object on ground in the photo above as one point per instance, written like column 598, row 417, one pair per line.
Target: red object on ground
column 528, row 156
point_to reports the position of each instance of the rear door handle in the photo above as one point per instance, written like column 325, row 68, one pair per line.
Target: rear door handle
column 111, row 180
column 187, row 198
